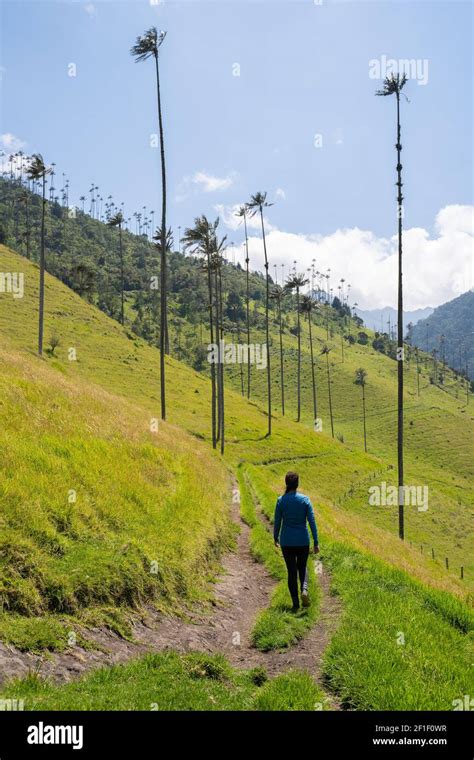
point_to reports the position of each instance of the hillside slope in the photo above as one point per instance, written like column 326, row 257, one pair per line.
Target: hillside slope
column 108, row 356
column 450, row 331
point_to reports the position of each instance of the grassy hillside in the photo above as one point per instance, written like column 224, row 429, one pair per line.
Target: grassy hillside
column 98, row 513
column 109, row 356
column 438, row 435
column 158, row 499
column 449, row 331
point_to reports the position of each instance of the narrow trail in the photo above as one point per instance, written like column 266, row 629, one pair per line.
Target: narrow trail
column 241, row 592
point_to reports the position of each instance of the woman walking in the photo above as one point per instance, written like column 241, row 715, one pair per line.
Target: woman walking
column 293, row 510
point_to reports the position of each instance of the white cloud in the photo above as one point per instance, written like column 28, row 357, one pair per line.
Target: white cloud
column 229, row 217
column 90, row 9
column 280, row 193
column 210, row 184
column 202, row 181
column 435, row 269
column 11, row 143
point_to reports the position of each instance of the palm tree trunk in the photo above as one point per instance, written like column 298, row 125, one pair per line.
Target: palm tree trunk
column 298, row 380
column 363, row 412
column 418, row 373
column 221, row 366
column 213, row 366
column 121, row 277
column 242, row 391
column 42, row 266
column 329, row 395
column 313, row 376
column 247, row 304
column 267, row 328
column 401, row 525
column 28, row 231
column 219, row 357
column 281, row 361
column 163, row 309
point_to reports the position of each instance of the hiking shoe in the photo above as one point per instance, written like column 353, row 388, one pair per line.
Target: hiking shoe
column 305, row 598
column 295, row 608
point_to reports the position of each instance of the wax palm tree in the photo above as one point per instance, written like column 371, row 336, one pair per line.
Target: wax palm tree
column 157, row 237
column 325, row 352
column 256, row 205
column 393, row 85
column 418, row 371
column 25, row 200
column 242, row 213
column 277, row 294
column 296, row 282
column 147, row 46
column 37, row 171
column 219, row 247
column 200, row 240
column 307, row 307
column 117, row 221
column 360, row 379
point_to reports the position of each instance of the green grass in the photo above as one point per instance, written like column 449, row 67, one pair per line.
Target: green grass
column 399, row 646
column 365, row 665
column 437, row 441
column 160, row 500
column 84, row 540
column 276, row 627
column 170, row 681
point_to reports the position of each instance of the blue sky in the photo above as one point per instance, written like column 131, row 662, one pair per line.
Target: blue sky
column 304, row 71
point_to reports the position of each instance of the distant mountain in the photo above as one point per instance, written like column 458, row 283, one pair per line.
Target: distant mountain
column 449, row 330
column 374, row 318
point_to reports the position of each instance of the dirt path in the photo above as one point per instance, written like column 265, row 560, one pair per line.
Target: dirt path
column 242, row 591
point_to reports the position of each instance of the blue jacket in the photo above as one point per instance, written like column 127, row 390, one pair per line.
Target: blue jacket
column 291, row 513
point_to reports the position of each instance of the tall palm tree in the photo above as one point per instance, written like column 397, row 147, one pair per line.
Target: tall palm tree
column 393, row 85
column 25, row 200
column 117, row 221
column 277, row 294
column 307, row 307
column 325, row 351
column 256, row 205
column 296, row 282
column 218, row 255
column 200, row 240
column 417, row 371
column 147, row 46
column 242, row 212
column 37, row 171
column 360, row 379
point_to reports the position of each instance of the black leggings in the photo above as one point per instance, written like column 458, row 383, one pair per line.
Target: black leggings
column 296, row 558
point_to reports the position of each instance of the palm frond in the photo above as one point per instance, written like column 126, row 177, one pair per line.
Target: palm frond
column 393, row 84
column 147, row 44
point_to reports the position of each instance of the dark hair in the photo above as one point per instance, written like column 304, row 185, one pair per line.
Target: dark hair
column 291, row 480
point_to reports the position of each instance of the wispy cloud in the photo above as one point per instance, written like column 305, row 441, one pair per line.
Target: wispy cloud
column 228, row 214
column 90, row 9
column 11, row 143
column 203, row 182
column 280, row 193
column 209, row 183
